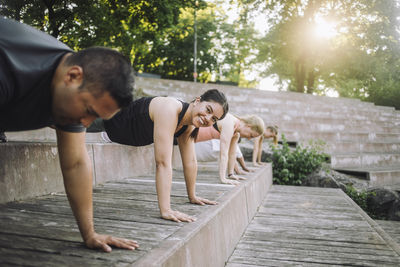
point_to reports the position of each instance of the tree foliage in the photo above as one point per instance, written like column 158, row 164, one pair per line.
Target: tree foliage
column 132, row 27
column 173, row 56
column 158, row 36
column 359, row 59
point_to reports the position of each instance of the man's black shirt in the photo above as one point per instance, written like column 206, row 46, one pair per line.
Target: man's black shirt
column 28, row 60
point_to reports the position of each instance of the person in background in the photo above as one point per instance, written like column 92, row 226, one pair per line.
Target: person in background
column 208, row 151
column 228, row 131
column 240, row 162
column 270, row 132
column 3, row 137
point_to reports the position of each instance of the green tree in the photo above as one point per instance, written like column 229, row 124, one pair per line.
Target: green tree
column 235, row 46
column 173, row 56
column 359, row 59
column 127, row 25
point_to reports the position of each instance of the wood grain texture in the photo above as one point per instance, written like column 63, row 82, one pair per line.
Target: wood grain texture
column 43, row 232
column 305, row 226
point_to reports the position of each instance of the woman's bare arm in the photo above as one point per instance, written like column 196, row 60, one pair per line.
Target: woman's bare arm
column 164, row 113
column 260, row 148
column 255, row 150
column 189, row 162
column 226, row 127
column 232, row 157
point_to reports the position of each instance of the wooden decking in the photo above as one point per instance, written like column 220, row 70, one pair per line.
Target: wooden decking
column 392, row 228
column 305, row 226
column 299, row 226
column 43, row 232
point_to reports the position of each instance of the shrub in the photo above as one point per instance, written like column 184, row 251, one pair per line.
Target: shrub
column 291, row 166
column 361, row 198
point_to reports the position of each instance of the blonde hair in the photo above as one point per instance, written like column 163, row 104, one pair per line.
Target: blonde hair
column 254, row 122
column 274, row 130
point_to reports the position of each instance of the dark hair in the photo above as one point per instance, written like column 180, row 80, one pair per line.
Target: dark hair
column 212, row 95
column 105, row 70
column 194, row 133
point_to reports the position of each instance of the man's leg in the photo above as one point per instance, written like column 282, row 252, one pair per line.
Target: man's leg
column 3, row 137
column 97, row 126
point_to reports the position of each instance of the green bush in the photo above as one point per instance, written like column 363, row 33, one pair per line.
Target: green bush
column 291, row 166
column 361, row 197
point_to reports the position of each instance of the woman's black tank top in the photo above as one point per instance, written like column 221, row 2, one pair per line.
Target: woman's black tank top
column 133, row 126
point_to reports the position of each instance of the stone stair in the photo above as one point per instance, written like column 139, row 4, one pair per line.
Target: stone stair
column 359, row 136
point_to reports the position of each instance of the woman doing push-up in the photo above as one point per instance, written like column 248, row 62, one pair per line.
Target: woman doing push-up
column 229, row 130
column 159, row 120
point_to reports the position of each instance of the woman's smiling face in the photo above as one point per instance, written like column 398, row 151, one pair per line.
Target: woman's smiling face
column 206, row 113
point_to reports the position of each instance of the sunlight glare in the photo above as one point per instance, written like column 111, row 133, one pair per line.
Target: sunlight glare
column 324, row 29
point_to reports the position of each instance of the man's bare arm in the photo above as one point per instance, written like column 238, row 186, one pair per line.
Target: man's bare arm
column 77, row 173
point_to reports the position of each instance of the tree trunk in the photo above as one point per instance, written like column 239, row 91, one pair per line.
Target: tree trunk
column 310, row 81
column 300, row 75
column 52, row 18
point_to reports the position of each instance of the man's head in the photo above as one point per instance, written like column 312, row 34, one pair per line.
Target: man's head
column 95, row 82
column 105, row 70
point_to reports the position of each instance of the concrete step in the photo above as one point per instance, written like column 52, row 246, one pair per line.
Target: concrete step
column 47, row 135
column 291, row 111
column 365, row 160
column 44, row 134
column 32, row 169
column 170, row 87
column 367, row 147
column 188, row 90
column 377, row 176
column 294, row 132
column 42, row 231
column 279, row 116
column 294, row 114
column 323, row 119
column 328, row 126
column 332, row 108
column 331, row 137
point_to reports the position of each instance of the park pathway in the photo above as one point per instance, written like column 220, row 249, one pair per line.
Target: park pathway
column 308, row 226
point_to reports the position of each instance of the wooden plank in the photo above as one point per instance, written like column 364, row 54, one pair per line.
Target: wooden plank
column 280, row 220
column 392, row 228
column 67, row 250
column 316, row 245
column 349, row 254
column 61, row 227
column 19, row 257
column 276, row 263
column 288, row 260
column 311, row 227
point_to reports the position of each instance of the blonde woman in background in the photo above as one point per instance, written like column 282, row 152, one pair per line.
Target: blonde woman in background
column 270, row 132
column 228, row 131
